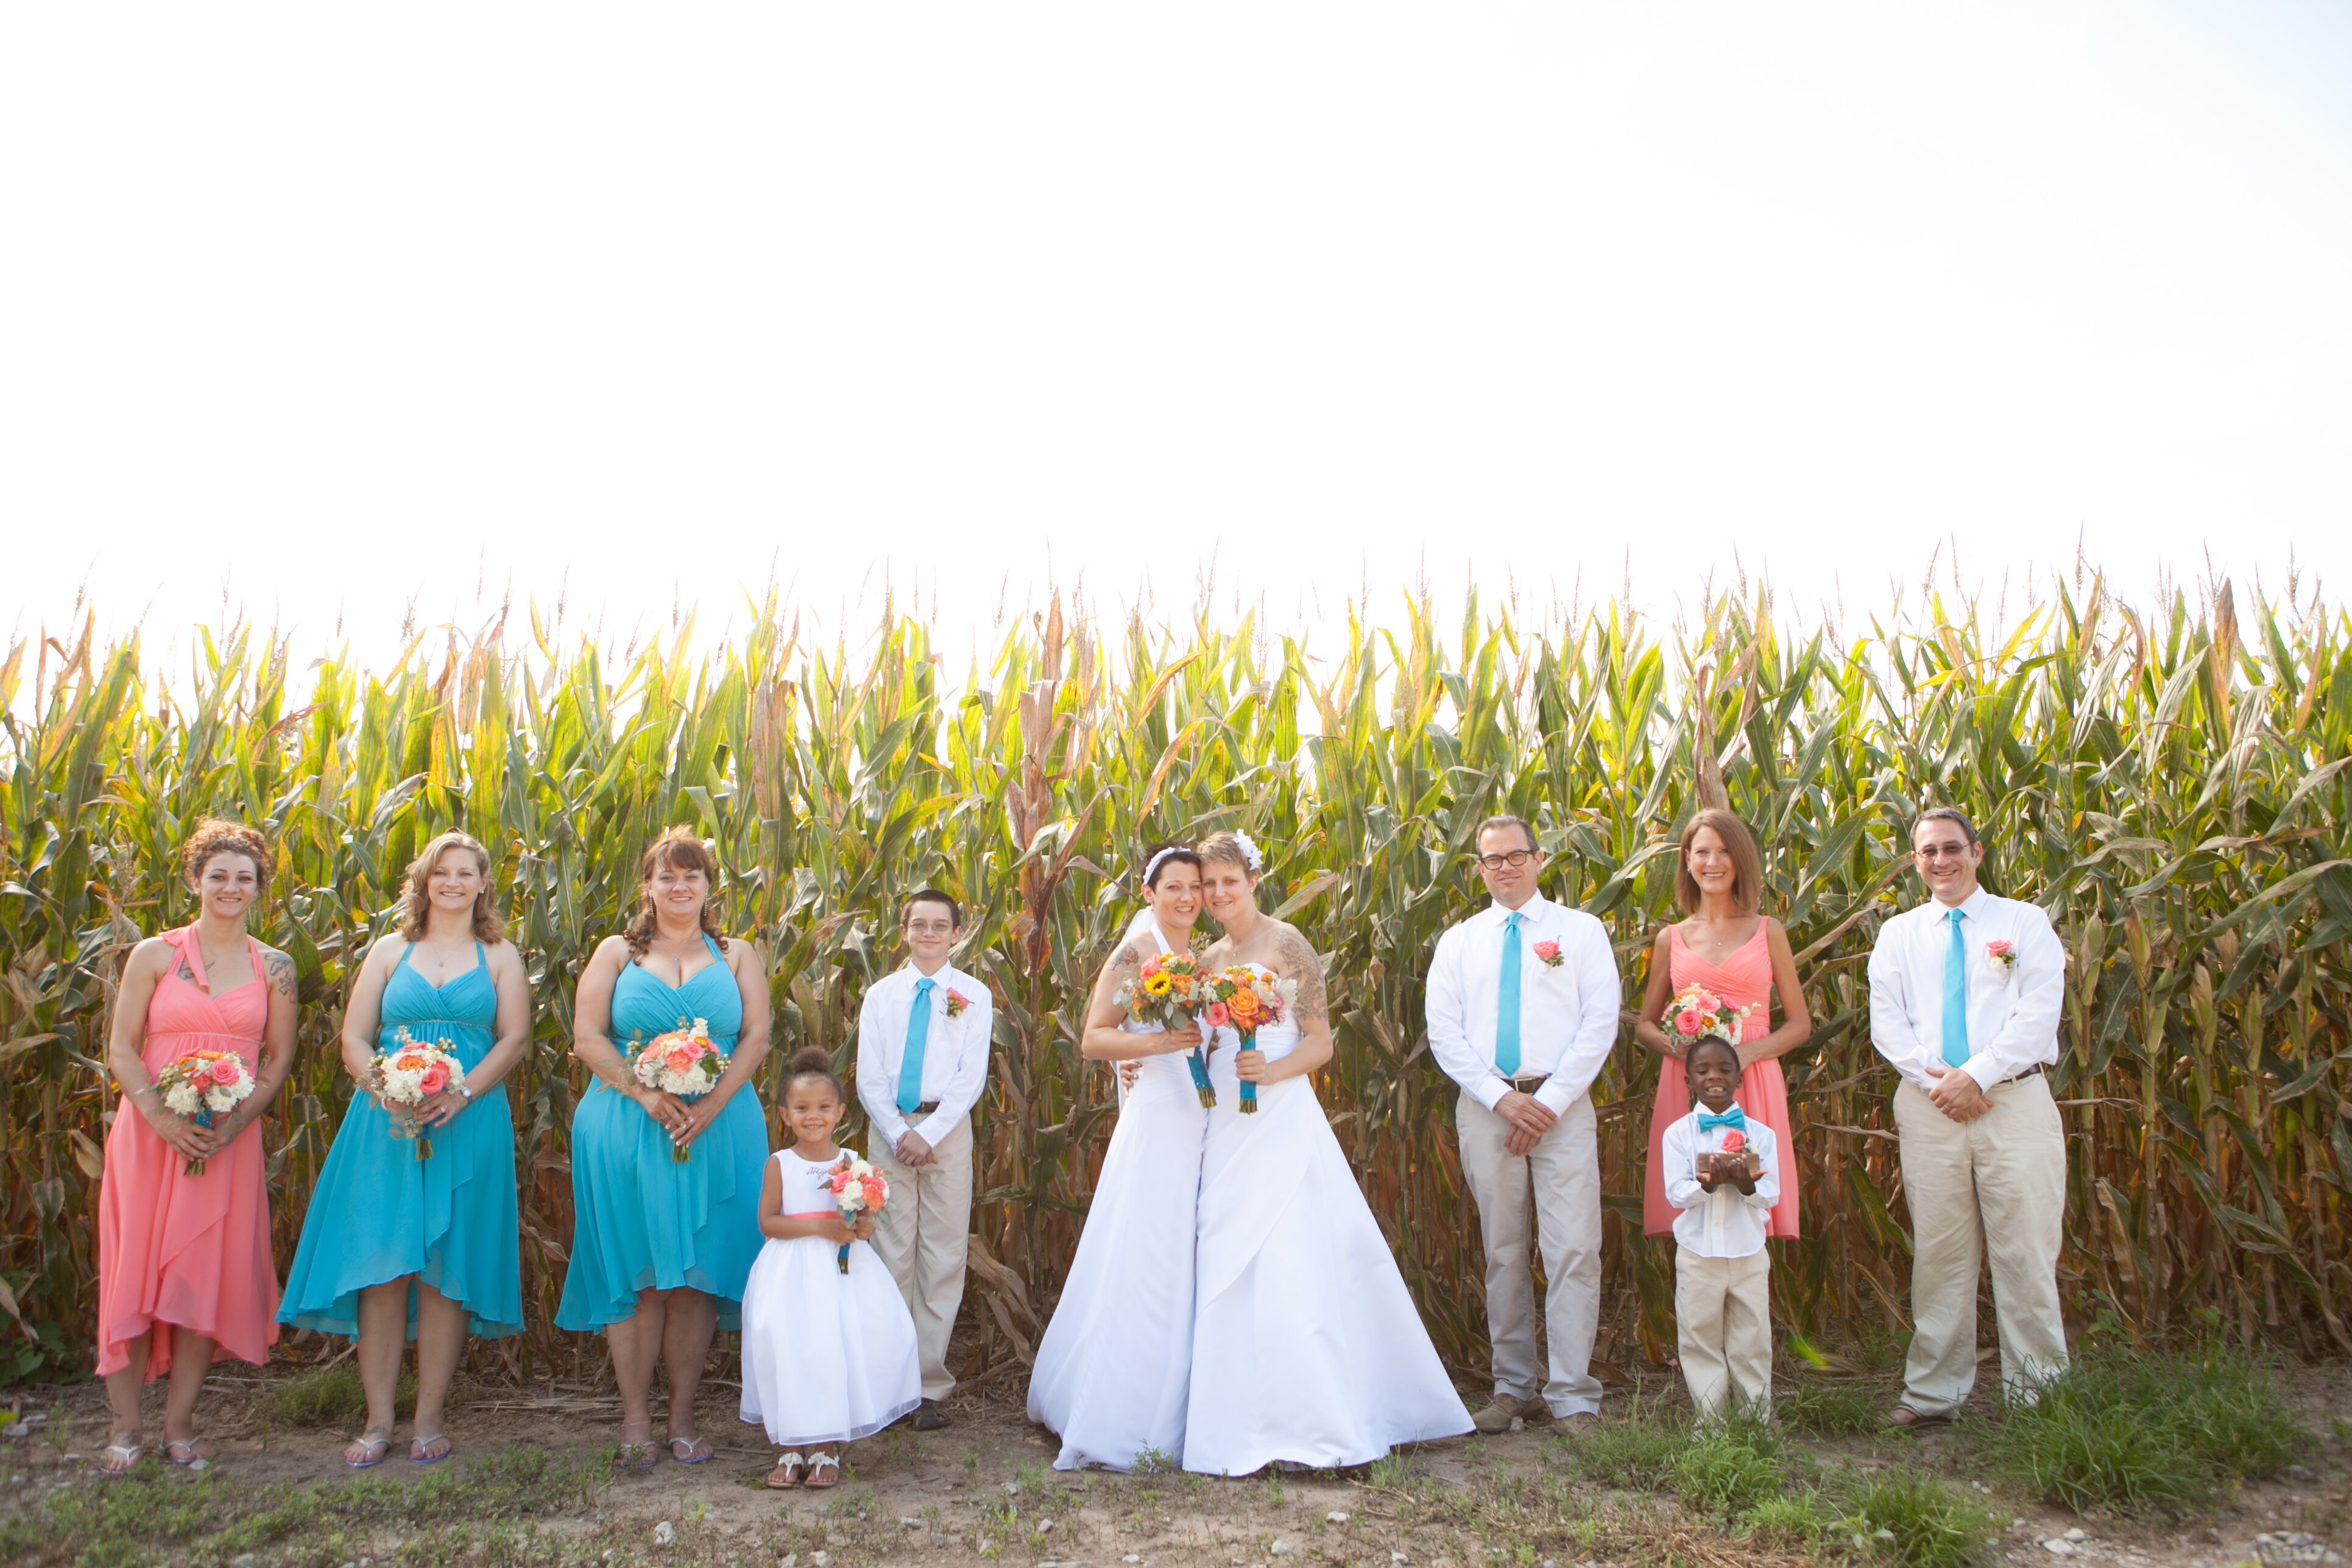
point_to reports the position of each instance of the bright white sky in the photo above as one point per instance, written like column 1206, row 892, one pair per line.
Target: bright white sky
column 347, row 308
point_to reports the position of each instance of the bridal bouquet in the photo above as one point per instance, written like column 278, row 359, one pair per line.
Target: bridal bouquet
column 202, row 1085
column 683, row 1062
column 1167, row 992
column 859, row 1189
column 406, row 1077
column 1698, row 1014
column 1246, row 999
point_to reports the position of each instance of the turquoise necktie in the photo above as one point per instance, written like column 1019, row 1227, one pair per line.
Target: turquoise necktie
column 1955, row 994
column 1735, row 1117
column 1506, row 1003
column 910, row 1066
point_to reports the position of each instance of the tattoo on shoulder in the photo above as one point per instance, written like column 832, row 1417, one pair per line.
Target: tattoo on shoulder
column 283, row 978
column 1295, row 959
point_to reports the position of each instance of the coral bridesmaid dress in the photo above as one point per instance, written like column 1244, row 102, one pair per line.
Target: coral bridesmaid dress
column 191, row 1252
column 1743, row 979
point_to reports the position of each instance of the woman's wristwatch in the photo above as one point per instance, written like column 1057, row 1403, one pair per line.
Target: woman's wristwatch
column 463, row 1087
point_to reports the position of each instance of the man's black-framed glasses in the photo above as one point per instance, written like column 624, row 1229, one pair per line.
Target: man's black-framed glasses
column 1510, row 859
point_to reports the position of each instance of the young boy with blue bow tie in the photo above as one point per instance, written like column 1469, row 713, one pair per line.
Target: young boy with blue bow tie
column 1721, row 1174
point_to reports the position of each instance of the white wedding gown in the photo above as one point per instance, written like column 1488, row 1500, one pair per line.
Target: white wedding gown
column 1306, row 1347
column 1112, row 1370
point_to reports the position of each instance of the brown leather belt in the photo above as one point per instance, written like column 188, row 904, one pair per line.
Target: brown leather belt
column 1528, row 1083
column 928, row 1107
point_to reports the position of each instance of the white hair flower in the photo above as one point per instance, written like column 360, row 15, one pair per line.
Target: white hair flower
column 1250, row 849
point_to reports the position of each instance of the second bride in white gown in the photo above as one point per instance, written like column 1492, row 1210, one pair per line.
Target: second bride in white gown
column 1306, row 1348
column 1112, row 1370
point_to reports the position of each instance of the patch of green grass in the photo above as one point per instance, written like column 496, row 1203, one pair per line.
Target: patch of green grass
column 1797, row 1521
column 2135, row 1432
column 155, row 1516
column 1638, row 1452
column 1729, row 1468
column 1824, row 1409
column 1904, row 1516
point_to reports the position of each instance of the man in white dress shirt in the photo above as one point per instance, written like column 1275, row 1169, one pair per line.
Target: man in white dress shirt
column 922, row 1062
column 1523, row 1009
column 1965, row 994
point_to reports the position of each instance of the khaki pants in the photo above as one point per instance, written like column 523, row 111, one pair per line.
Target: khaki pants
column 1723, row 1325
column 1995, row 1185
column 924, row 1235
column 1558, row 1188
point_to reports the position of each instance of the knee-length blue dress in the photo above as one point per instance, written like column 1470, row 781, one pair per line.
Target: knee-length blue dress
column 642, row 1220
column 379, row 1212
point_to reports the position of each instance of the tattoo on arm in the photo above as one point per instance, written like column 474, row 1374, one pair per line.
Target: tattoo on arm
column 1296, row 960
column 282, row 977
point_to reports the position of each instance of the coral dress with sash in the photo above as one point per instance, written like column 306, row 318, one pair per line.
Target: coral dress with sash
column 1743, row 979
column 643, row 1220
column 190, row 1252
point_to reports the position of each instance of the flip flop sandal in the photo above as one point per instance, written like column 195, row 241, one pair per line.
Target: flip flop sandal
column 626, row 1460
column 184, row 1454
column 374, row 1448
column 124, row 1455
column 790, row 1462
column 690, row 1457
column 423, row 1442
column 817, row 1466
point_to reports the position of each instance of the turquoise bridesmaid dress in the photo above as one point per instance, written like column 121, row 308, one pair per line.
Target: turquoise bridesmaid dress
column 640, row 1219
column 379, row 1212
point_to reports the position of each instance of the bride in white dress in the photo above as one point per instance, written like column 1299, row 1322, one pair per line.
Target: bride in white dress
column 1112, row 1370
column 1306, row 1348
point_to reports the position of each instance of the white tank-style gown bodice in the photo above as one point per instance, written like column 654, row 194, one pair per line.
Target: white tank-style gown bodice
column 1306, row 1348
column 1113, row 1368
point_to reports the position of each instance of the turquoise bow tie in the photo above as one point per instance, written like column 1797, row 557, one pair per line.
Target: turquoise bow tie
column 1708, row 1122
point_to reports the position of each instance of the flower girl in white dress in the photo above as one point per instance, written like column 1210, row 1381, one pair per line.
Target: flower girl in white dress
column 1114, row 1367
column 828, row 1356
column 1306, row 1348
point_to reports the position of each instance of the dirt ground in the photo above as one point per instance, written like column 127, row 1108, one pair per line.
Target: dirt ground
column 982, row 1489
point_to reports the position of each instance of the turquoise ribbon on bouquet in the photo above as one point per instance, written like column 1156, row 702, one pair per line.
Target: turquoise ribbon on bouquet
column 1199, row 1065
column 1249, row 1090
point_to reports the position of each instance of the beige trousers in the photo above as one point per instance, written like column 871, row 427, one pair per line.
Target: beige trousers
column 1556, row 1190
column 1995, row 1185
column 1723, row 1325
column 925, row 1236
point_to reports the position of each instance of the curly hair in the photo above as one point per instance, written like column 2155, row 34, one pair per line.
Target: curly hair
column 213, row 837
column 814, row 1061
column 679, row 849
column 416, row 895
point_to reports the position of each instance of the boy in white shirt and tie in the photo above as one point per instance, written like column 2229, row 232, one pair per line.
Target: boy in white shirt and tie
column 1965, row 996
column 1722, row 1173
column 922, row 1062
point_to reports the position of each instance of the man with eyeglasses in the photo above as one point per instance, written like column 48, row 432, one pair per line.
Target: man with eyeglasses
column 922, row 1062
column 1965, row 995
column 1523, row 1009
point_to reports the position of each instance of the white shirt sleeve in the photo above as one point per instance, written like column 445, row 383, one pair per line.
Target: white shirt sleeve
column 1449, row 1032
column 1598, row 1001
column 961, row 1091
column 1679, row 1151
column 1766, row 1142
column 879, row 1098
column 1890, row 1004
column 2030, row 1033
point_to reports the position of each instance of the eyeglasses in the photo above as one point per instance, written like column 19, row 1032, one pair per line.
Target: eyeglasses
column 1952, row 851
column 929, row 928
column 1514, row 859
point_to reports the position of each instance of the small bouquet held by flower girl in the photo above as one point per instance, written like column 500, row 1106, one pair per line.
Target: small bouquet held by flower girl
column 859, row 1189
column 1246, row 999
column 405, row 1078
column 202, row 1085
column 1168, row 992
column 682, row 1062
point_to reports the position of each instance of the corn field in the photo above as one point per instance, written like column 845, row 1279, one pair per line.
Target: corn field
column 2168, row 783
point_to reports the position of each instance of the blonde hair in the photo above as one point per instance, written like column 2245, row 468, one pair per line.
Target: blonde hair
column 680, row 849
column 1227, row 847
column 416, row 896
column 1746, row 862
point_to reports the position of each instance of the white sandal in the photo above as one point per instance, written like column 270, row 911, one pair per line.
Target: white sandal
column 817, row 1466
column 790, row 1462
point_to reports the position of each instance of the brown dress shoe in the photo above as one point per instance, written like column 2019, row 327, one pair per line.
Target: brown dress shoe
column 1497, row 1417
column 929, row 1416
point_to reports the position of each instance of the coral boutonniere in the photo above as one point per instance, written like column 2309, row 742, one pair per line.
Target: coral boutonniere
column 2002, row 955
column 956, row 1002
column 1547, row 955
